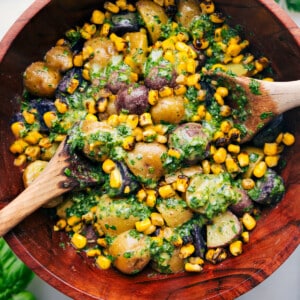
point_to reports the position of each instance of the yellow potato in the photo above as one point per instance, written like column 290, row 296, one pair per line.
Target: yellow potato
column 131, row 251
column 144, row 161
column 41, row 80
column 111, row 215
column 59, row 58
column 187, row 11
column 168, row 109
column 154, row 17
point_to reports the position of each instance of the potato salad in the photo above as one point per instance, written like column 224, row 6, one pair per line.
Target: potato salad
column 131, row 90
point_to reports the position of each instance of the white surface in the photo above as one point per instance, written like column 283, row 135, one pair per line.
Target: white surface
column 283, row 284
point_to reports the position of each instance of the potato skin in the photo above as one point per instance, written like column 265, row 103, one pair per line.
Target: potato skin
column 144, row 161
column 133, row 99
column 154, row 16
column 104, row 50
column 131, row 251
column 111, row 220
column 59, row 58
column 187, row 11
column 41, row 80
column 168, row 109
column 174, row 211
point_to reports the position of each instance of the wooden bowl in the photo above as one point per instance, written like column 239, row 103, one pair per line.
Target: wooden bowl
column 272, row 33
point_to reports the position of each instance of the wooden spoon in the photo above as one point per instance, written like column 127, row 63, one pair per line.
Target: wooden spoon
column 265, row 99
column 52, row 182
column 273, row 98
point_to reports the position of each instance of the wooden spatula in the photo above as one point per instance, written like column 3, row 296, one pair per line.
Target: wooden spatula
column 265, row 99
column 63, row 173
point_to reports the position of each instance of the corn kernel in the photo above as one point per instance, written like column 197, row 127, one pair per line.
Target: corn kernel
column 234, row 148
column 20, row 160
column 243, row 159
column 192, row 80
column 108, row 165
column 260, row 169
column 270, row 148
column 132, row 121
column 78, row 241
column 205, row 166
column 91, row 117
column 272, row 160
column 141, row 195
column 17, row 129
column 105, row 29
column 61, row 106
column 153, row 97
column 248, row 221
column 128, row 143
column 231, row 165
column 186, row 251
column 236, row 248
column 97, row 17
column 157, row 219
column 143, row 225
column 102, row 242
column 196, row 260
column 220, row 155
column 111, row 7
column 245, row 236
column 151, row 200
column 145, row 119
column 113, row 120
column 165, row 92
column 115, row 179
column 103, row 262
column 182, row 183
column 50, row 118
column 248, row 183
column 216, row 168
column 288, row 139
column 32, row 137
column 32, row 152
column 174, row 153
column 93, row 252
column 219, row 99
column 28, row 117
column 189, row 267
column 166, row 191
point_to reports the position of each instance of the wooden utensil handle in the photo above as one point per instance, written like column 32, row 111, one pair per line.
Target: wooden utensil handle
column 48, row 185
column 286, row 95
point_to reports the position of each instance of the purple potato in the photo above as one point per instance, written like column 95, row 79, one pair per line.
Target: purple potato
column 133, row 99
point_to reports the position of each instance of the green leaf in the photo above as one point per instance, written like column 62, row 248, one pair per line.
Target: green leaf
column 14, row 274
column 25, row 295
column 293, row 5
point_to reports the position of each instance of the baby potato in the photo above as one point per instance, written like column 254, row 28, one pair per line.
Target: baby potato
column 115, row 216
column 154, row 17
column 31, row 172
column 144, row 161
column 187, row 11
column 130, row 251
column 168, row 109
column 174, row 211
column 41, row 80
column 94, row 151
column 169, row 263
column 103, row 50
column 59, row 58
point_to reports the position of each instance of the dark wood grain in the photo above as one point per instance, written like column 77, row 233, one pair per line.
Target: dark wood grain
column 271, row 33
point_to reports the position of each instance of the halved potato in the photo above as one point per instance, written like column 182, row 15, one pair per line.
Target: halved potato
column 223, row 230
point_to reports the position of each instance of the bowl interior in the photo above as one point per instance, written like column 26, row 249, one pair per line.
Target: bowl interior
column 271, row 33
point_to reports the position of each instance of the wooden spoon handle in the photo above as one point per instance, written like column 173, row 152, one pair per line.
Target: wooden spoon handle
column 285, row 95
column 47, row 186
